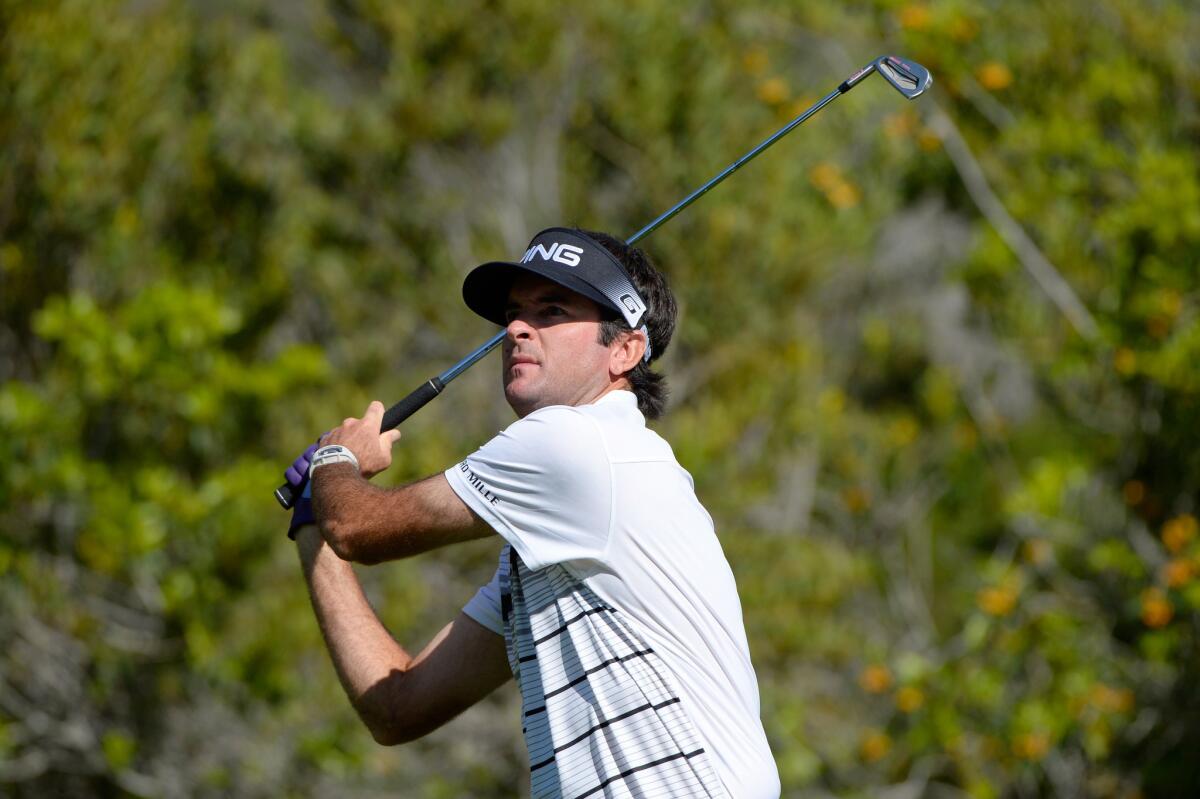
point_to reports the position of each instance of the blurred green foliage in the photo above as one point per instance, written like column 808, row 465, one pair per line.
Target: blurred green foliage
column 964, row 525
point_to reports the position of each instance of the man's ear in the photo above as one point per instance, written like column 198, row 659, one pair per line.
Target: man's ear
column 627, row 351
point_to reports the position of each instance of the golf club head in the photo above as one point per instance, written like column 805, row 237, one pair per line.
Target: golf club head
column 910, row 78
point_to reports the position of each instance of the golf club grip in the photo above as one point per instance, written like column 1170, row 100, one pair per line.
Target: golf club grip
column 414, row 402
column 285, row 495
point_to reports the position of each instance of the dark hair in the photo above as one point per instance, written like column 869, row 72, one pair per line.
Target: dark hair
column 649, row 386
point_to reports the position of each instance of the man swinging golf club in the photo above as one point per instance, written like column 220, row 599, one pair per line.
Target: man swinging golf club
column 612, row 606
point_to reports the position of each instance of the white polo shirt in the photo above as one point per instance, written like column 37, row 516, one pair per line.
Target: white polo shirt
column 620, row 612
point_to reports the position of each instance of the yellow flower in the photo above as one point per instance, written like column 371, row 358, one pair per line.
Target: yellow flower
column 899, row 125
column 1134, row 491
column 825, row 175
column 1038, row 551
column 1124, row 361
column 1110, row 700
column 773, row 91
column 840, row 192
column 1178, row 572
column 875, row 679
column 928, row 140
column 856, row 498
column 755, row 60
column 843, row 195
column 875, row 745
column 832, row 401
column 909, row 699
column 1158, row 326
column 798, row 106
column 965, row 435
column 963, row 29
column 1170, row 303
column 1179, row 532
column 1156, row 608
column 997, row 600
column 994, row 76
column 903, row 431
column 914, row 16
column 1031, row 745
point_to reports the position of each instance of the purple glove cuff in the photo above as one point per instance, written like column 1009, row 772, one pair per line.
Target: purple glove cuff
column 297, row 477
column 302, row 514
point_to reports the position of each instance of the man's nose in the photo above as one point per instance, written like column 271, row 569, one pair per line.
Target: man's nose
column 519, row 328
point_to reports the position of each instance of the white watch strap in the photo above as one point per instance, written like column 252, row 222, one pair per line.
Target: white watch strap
column 331, row 453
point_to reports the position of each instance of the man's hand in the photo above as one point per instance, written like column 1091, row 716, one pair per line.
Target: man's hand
column 372, row 448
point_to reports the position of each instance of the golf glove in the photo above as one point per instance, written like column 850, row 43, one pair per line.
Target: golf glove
column 297, row 477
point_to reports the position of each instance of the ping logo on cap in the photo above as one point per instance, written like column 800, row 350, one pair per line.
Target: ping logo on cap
column 567, row 254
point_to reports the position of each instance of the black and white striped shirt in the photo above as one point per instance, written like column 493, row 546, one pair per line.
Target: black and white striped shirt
column 620, row 611
column 601, row 716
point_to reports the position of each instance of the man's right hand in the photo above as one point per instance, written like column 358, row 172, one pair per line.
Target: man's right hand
column 372, row 447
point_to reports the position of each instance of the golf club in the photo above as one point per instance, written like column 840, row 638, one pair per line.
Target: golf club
column 908, row 77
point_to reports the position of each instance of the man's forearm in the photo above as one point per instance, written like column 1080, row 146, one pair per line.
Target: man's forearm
column 344, row 514
column 399, row 697
column 367, row 524
column 363, row 652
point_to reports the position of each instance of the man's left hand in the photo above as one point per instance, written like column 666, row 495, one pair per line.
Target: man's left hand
column 372, row 448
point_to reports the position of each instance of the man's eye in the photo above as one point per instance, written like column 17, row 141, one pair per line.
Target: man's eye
column 554, row 310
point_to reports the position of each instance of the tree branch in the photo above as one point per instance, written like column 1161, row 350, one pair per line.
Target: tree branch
column 1027, row 252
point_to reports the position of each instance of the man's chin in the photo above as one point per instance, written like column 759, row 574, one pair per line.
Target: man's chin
column 522, row 402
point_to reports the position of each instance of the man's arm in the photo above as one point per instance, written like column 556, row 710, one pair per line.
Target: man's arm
column 367, row 524
column 399, row 697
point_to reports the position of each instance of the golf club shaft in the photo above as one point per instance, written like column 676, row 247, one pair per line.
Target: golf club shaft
column 735, row 166
column 420, row 396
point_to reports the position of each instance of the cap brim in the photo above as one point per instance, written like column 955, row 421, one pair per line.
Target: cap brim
column 485, row 289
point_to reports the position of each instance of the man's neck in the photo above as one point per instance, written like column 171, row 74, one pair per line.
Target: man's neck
column 620, row 384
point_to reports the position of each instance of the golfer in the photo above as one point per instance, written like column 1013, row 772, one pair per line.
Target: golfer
column 612, row 604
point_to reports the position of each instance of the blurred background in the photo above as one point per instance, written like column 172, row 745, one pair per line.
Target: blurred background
column 935, row 375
